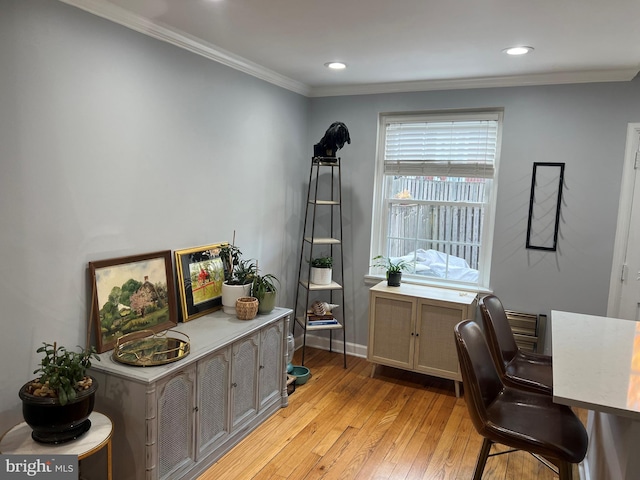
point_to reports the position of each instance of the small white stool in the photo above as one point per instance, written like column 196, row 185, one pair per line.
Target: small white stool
column 18, row 441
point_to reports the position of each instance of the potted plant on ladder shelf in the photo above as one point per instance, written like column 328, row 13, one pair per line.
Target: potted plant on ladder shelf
column 321, row 268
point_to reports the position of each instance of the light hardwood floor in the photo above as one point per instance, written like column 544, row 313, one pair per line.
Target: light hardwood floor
column 344, row 424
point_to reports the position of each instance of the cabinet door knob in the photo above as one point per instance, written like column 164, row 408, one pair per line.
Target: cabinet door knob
column 261, row 367
column 234, row 384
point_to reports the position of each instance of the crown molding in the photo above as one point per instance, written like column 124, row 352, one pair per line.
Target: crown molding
column 188, row 42
column 587, row 76
column 183, row 40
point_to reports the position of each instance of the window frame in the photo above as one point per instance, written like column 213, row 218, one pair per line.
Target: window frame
column 379, row 224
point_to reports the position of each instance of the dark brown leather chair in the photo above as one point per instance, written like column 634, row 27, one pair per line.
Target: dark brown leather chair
column 530, row 371
column 519, row 419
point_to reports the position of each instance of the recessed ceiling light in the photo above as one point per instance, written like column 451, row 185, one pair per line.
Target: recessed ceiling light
column 517, row 50
column 336, row 65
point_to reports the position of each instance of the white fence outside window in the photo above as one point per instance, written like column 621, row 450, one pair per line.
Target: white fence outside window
column 444, row 215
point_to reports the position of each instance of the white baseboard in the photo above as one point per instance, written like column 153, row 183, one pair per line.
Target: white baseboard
column 336, row 345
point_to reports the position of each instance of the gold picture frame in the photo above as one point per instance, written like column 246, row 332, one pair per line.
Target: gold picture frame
column 200, row 273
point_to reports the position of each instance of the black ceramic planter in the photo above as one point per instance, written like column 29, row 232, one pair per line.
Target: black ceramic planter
column 394, row 279
column 54, row 423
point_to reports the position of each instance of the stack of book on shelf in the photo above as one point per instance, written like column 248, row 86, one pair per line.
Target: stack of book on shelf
column 314, row 320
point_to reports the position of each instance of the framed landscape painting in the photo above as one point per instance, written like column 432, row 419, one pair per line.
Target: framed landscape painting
column 131, row 294
column 200, row 274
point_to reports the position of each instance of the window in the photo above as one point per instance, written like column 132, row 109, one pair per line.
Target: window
column 434, row 197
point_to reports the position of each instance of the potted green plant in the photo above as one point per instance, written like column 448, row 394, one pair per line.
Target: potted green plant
column 321, row 269
column 57, row 404
column 265, row 289
column 393, row 269
column 238, row 274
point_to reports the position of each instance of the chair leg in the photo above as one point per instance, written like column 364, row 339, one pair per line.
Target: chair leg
column 565, row 471
column 482, row 459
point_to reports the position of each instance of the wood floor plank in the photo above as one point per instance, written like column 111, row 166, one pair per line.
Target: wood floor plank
column 382, row 460
column 404, row 460
column 343, row 424
column 471, row 451
column 434, row 433
column 442, row 464
column 327, row 461
column 496, row 467
column 515, row 466
column 351, row 416
column 321, row 433
column 368, row 436
column 262, row 445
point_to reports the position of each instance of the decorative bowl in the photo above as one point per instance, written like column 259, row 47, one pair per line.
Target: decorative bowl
column 301, row 373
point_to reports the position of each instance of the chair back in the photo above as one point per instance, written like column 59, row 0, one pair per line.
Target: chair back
column 481, row 380
column 498, row 331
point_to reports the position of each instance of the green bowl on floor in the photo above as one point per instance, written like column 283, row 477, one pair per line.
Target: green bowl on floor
column 301, row 373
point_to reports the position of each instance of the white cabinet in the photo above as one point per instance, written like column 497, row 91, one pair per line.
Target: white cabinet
column 173, row 421
column 411, row 327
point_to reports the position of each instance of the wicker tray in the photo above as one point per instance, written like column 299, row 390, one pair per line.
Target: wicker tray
column 146, row 348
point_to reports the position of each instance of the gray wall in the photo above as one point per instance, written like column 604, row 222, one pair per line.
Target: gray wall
column 113, row 143
column 581, row 125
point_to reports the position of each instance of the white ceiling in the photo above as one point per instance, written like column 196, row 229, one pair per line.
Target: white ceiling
column 396, row 45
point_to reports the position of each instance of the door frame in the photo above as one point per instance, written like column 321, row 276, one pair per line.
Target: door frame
column 624, row 218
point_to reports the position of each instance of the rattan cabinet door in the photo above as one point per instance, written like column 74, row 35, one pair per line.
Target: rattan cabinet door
column 175, row 422
column 214, row 379
column 244, row 383
column 391, row 330
column 435, row 348
column 272, row 364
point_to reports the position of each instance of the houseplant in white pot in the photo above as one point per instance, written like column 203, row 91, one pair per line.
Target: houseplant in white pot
column 57, row 404
column 238, row 274
column 321, row 269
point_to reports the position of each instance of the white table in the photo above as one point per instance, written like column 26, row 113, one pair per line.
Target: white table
column 18, row 441
column 596, row 366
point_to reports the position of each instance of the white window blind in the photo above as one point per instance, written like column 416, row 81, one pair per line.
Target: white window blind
column 455, row 148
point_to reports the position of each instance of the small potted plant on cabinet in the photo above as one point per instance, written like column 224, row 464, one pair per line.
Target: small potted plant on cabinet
column 393, row 269
column 265, row 289
column 321, row 268
column 238, row 276
column 57, row 404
